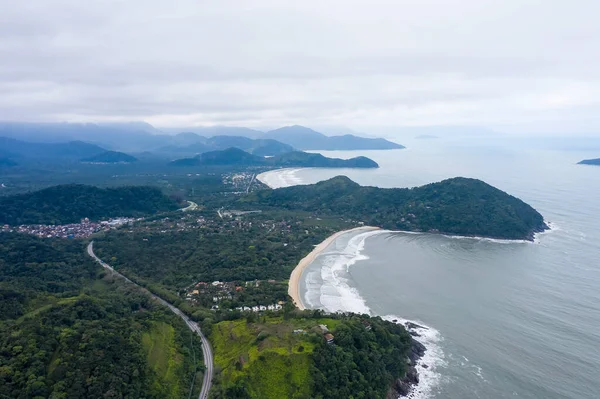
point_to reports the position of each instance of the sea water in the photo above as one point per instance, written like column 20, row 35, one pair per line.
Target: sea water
column 503, row 319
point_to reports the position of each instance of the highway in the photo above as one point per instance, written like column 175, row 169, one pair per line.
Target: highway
column 206, row 350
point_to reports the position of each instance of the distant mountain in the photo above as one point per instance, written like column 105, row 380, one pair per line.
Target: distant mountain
column 230, row 156
column 237, row 157
column 211, row 131
column 268, row 147
column 303, row 138
column 70, row 203
column 188, row 138
column 136, row 136
column 261, row 147
column 70, row 150
column 590, row 162
column 110, row 157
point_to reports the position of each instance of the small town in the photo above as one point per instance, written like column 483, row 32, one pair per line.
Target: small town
column 83, row 229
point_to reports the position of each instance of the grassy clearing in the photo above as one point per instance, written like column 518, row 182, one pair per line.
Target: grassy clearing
column 272, row 360
column 163, row 359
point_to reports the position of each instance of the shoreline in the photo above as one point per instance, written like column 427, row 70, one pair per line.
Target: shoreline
column 295, row 277
column 261, row 176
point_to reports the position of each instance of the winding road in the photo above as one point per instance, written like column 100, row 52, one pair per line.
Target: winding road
column 206, row 350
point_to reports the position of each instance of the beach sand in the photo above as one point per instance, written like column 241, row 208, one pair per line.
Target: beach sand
column 294, row 284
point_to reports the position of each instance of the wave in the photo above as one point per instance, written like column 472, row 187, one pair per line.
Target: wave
column 335, row 292
column 329, row 289
column 281, row 177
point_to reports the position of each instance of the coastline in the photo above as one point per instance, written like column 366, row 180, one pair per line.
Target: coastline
column 295, row 277
column 287, row 177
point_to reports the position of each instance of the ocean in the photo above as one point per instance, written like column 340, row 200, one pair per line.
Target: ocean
column 502, row 319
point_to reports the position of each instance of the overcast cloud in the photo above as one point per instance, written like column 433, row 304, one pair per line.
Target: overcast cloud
column 513, row 65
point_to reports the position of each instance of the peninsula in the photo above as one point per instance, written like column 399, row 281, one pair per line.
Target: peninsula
column 459, row 206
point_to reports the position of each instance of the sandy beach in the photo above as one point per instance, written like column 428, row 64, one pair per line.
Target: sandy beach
column 294, row 284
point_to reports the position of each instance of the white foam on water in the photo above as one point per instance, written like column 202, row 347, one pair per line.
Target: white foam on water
column 329, row 289
column 336, row 294
column 281, row 178
column 429, row 377
column 552, row 228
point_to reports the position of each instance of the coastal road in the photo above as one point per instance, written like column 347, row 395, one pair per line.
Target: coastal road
column 206, row 350
column 250, row 185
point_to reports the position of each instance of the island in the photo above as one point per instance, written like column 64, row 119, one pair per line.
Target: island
column 590, row 162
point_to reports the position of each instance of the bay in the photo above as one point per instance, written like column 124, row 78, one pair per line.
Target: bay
column 505, row 319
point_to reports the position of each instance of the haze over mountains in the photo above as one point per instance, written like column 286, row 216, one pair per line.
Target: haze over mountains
column 137, row 137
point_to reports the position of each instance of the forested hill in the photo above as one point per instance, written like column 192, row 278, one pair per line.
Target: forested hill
column 69, row 331
column 70, row 203
column 459, row 206
column 235, row 156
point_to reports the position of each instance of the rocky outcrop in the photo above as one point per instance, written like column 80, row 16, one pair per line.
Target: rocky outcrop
column 403, row 386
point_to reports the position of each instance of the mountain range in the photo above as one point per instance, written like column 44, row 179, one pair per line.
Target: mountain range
column 137, row 137
column 17, row 149
column 192, row 144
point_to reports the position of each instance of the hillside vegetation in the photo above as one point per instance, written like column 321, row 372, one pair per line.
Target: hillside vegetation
column 70, row 203
column 237, row 157
column 68, row 331
column 454, row 206
column 288, row 357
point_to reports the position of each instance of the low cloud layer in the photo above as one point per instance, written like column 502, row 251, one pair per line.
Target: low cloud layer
column 515, row 65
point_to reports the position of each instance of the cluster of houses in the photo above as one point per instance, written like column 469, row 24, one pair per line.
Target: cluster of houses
column 219, row 291
column 241, row 181
column 83, row 229
column 261, row 308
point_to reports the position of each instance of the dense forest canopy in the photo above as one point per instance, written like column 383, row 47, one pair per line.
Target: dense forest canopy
column 249, row 251
column 455, row 206
column 70, row 203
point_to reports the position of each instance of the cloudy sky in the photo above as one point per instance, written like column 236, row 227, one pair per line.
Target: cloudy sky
column 512, row 65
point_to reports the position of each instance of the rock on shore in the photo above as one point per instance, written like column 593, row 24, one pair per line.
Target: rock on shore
column 403, row 386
